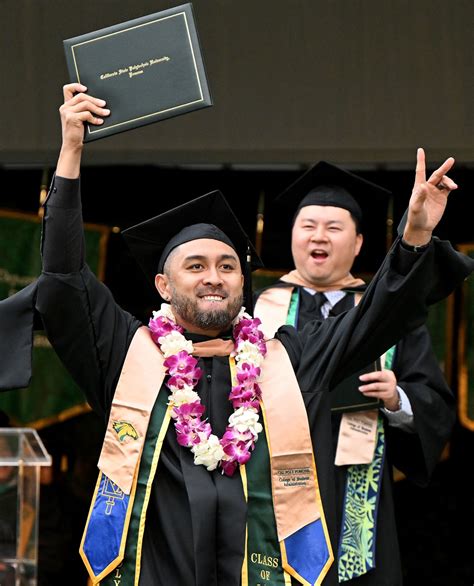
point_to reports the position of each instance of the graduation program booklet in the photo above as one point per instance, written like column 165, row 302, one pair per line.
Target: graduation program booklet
column 346, row 397
column 146, row 69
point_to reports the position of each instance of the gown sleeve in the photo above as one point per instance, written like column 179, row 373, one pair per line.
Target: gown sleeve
column 433, row 403
column 18, row 319
column 395, row 303
column 88, row 330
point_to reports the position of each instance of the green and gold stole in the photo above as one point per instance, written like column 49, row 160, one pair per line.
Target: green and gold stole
column 356, row 554
column 285, row 514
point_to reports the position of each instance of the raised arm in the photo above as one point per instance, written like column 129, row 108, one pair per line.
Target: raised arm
column 63, row 247
column 88, row 330
column 419, row 270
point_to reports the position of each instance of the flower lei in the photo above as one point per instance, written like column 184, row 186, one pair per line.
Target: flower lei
column 192, row 431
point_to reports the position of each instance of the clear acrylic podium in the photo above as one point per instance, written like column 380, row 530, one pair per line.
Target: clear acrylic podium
column 21, row 456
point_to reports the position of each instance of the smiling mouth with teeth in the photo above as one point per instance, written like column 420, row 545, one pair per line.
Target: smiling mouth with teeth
column 212, row 298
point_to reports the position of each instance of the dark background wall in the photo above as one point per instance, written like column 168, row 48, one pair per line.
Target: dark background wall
column 358, row 81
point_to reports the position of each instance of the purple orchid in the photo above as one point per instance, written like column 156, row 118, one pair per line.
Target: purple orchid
column 183, row 370
column 248, row 372
column 186, row 434
column 244, row 397
column 239, row 452
column 162, row 326
column 228, row 467
column 248, row 330
column 188, row 410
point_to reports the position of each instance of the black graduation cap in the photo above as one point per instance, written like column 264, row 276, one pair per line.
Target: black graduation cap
column 328, row 185
column 208, row 216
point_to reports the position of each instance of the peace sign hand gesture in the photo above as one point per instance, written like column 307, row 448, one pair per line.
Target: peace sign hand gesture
column 428, row 200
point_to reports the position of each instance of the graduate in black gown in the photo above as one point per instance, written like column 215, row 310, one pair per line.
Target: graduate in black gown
column 417, row 407
column 187, row 524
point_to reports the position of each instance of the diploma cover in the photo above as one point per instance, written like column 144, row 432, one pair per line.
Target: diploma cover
column 146, row 69
column 346, row 397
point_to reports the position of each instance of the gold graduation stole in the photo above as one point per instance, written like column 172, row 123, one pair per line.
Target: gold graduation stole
column 287, row 533
column 285, row 515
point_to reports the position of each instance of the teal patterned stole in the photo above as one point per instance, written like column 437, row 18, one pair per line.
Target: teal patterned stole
column 356, row 555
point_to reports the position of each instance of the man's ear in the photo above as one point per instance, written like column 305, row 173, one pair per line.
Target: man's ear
column 163, row 286
column 359, row 242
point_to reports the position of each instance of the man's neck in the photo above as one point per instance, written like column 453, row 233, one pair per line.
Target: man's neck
column 199, row 336
column 295, row 277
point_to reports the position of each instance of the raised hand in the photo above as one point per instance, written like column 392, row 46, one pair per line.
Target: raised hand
column 78, row 107
column 428, row 200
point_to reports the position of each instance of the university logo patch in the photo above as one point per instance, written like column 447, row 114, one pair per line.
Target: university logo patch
column 124, row 429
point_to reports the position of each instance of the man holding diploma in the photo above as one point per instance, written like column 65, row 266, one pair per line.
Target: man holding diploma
column 216, row 467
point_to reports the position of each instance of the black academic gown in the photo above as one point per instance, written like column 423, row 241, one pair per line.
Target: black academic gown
column 416, row 454
column 194, row 532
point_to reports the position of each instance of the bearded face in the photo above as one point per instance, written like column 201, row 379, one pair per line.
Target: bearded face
column 203, row 282
column 190, row 309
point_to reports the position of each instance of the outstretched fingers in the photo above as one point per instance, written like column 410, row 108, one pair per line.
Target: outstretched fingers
column 440, row 179
column 428, row 200
column 420, row 171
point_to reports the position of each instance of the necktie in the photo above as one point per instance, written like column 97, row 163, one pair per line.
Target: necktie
column 319, row 299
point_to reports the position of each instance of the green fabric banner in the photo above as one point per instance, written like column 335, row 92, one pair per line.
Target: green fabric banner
column 264, row 563
column 52, row 396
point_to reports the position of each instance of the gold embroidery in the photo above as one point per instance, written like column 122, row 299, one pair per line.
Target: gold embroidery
column 264, row 560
